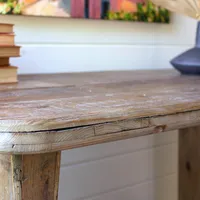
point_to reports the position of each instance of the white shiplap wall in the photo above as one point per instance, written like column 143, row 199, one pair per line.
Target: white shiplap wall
column 142, row 168
column 63, row 45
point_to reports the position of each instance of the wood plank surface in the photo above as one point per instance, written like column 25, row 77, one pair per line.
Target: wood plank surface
column 5, row 177
column 29, row 177
column 189, row 156
column 83, row 99
column 35, row 176
column 55, row 140
column 60, row 111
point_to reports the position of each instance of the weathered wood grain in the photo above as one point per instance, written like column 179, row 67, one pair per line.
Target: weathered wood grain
column 189, row 165
column 35, row 176
column 55, row 112
column 17, row 176
column 56, row 140
column 5, row 177
column 64, row 101
column 49, row 113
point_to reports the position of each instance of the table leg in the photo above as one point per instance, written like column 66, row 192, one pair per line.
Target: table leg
column 189, row 163
column 29, row 177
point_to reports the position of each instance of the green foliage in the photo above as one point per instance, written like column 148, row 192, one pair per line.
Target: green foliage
column 3, row 1
column 17, row 9
column 145, row 13
column 10, row 7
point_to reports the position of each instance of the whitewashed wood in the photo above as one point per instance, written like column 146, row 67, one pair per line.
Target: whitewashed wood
column 30, row 176
column 97, row 177
column 67, row 31
column 44, row 58
column 47, row 141
column 64, row 142
column 6, row 177
column 17, row 176
column 104, row 98
column 158, row 189
column 165, row 41
column 117, row 148
column 174, row 38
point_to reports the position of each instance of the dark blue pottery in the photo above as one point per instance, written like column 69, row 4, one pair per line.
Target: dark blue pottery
column 189, row 62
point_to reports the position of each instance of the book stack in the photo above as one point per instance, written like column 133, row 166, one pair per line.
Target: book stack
column 8, row 73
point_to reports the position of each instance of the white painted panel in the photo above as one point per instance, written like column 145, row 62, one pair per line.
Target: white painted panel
column 75, row 58
column 101, row 151
column 97, row 177
column 35, row 30
column 159, row 189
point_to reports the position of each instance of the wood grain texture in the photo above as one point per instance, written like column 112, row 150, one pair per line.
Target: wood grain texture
column 189, row 156
column 5, row 177
column 48, row 141
column 60, row 111
column 35, row 176
column 84, row 98
column 17, row 177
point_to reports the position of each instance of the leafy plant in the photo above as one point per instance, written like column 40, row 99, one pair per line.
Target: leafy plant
column 10, row 7
column 145, row 13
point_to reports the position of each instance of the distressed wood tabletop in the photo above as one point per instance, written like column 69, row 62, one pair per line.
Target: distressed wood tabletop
column 44, row 113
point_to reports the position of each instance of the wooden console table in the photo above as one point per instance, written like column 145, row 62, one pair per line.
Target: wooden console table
column 45, row 114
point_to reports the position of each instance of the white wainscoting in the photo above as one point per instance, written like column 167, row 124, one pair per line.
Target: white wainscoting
column 51, row 45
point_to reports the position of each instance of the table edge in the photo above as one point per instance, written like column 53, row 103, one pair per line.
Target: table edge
column 63, row 139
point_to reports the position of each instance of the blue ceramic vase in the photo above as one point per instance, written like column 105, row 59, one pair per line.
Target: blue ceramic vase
column 189, row 62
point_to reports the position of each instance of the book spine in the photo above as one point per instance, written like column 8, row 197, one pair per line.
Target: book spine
column 4, row 62
column 95, row 9
column 77, row 8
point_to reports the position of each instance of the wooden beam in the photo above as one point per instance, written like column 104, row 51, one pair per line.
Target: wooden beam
column 57, row 140
column 5, row 177
column 30, row 176
column 189, row 163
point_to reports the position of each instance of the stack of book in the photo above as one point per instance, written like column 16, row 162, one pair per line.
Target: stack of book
column 8, row 49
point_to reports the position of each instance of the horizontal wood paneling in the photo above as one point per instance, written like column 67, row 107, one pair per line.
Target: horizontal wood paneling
column 101, row 151
column 43, row 30
column 74, row 58
column 96, row 177
column 164, row 188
